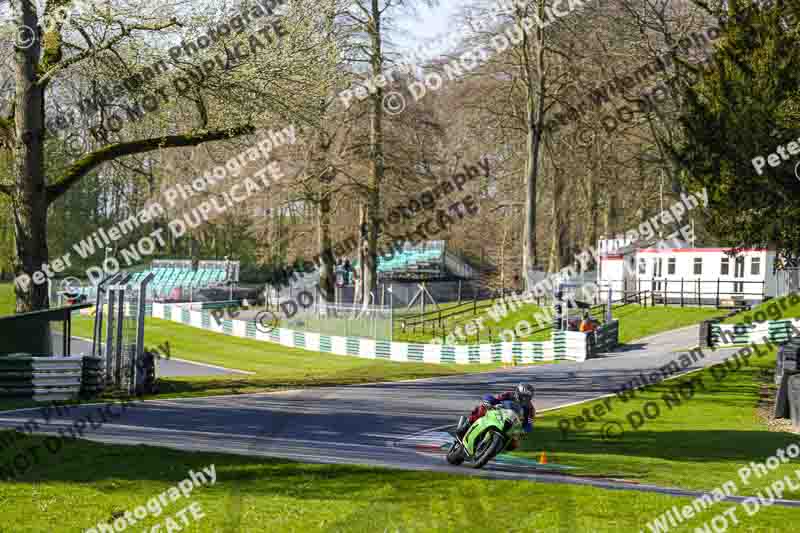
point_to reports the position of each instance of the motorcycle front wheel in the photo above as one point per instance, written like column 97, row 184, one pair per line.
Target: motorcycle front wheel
column 492, row 444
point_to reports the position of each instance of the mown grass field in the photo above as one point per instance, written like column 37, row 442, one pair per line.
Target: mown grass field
column 275, row 366
column 699, row 445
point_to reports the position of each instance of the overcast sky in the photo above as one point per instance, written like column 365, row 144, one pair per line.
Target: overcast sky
column 428, row 23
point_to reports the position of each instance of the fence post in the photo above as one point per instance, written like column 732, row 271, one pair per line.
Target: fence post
column 681, row 292
column 666, row 292
column 717, row 293
column 459, row 292
column 639, row 292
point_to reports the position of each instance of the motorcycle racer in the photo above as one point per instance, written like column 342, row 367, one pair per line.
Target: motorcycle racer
column 520, row 399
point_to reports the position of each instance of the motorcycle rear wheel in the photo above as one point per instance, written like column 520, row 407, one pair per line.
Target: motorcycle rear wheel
column 490, row 449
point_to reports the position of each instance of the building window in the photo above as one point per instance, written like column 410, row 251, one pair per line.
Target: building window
column 642, row 266
column 725, row 267
column 671, row 265
column 698, row 266
column 755, row 266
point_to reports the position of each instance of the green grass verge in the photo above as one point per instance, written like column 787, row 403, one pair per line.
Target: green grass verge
column 87, row 483
column 698, row 443
column 776, row 309
column 637, row 322
column 8, row 302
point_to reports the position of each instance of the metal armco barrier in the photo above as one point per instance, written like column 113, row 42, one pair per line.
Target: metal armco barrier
column 40, row 378
column 794, row 399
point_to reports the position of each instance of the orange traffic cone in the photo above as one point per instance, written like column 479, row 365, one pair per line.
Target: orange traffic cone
column 543, row 459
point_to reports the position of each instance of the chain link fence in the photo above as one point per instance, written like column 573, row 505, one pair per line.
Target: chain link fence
column 344, row 320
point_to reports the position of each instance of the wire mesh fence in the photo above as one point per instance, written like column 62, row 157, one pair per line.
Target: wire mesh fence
column 344, row 320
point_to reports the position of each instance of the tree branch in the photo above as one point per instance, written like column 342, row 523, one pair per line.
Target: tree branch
column 86, row 164
column 57, row 65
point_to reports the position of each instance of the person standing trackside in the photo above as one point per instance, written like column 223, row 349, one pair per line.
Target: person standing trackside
column 587, row 324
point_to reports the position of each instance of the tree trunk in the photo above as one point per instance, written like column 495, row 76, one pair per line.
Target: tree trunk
column 557, row 230
column 29, row 196
column 358, row 293
column 326, row 271
column 593, row 220
column 531, row 175
column 369, row 285
column 535, row 121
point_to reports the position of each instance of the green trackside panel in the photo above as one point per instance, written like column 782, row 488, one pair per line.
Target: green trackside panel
column 779, row 331
column 383, row 349
column 559, row 344
column 21, row 364
column 741, row 333
column 324, row 343
column 448, row 354
column 497, row 353
column 516, row 352
column 168, row 312
column 250, row 330
column 474, row 353
column 227, row 326
column 148, row 309
column 416, row 352
column 206, row 319
column 275, row 335
column 26, row 336
column 538, row 351
column 299, row 339
column 353, row 346
column 185, row 316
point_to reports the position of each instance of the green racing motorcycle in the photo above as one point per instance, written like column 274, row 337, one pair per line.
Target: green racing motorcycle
column 488, row 436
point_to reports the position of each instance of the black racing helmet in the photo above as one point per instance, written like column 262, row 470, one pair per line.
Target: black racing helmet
column 524, row 393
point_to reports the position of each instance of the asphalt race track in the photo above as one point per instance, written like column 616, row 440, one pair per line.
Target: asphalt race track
column 380, row 424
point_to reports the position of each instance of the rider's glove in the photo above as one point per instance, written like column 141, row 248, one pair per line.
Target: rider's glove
column 487, row 404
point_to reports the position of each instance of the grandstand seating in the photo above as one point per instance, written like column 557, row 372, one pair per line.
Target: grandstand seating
column 168, row 277
column 430, row 259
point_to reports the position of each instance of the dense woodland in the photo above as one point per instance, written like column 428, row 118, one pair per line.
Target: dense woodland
column 575, row 152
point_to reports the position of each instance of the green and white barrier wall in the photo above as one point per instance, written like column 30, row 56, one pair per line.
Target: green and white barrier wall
column 777, row 331
column 565, row 345
column 40, row 378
